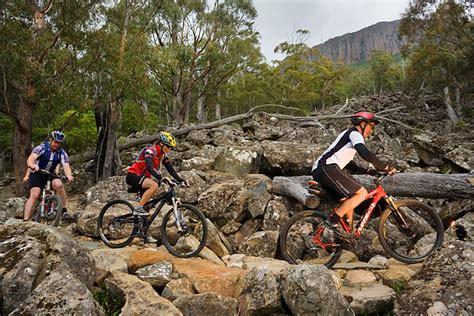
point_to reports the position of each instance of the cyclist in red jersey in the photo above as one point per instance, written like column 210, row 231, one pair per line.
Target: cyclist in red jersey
column 149, row 159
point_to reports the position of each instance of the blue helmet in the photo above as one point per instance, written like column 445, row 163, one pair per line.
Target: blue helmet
column 57, row 136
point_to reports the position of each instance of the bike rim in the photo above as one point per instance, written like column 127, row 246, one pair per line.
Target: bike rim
column 186, row 235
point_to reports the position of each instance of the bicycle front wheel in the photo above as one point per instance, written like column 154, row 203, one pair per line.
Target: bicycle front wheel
column 52, row 211
column 116, row 224
column 412, row 232
column 304, row 239
column 184, row 235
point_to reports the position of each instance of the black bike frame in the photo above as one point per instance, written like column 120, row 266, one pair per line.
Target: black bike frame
column 166, row 198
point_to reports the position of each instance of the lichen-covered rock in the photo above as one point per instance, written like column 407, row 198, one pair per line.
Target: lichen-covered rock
column 206, row 304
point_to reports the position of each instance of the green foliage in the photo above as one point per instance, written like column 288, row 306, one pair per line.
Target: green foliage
column 135, row 120
column 80, row 130
column 398, row 287
column 440, row 49
column 112, row 304
column 385, row 73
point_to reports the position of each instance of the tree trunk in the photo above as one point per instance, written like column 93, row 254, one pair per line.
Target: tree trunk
column 291, row 187
column 218, row 107
column 107, row 147
column 201, row 110
column 449, row 108
column 22, row 143
column 417, row 184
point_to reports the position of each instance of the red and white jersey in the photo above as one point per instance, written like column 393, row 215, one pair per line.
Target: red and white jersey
column 139, row 167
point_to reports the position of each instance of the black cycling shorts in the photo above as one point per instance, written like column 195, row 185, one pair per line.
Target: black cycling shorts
column 339, row 182
column 135, row 180
column 38, row 180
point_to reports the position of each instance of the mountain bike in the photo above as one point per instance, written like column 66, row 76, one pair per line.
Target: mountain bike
column 183, row 228
column 409, row 230
column 49, row 209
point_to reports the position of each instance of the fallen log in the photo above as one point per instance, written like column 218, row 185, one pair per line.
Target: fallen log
column 294, row 187
column 416, row 184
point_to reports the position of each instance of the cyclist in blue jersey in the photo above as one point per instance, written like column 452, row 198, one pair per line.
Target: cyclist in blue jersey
column 328, row 168
column 47, row 156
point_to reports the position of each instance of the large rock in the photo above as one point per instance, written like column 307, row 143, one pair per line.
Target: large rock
column 207, row 277
column 276, row 215
column 60, row 293
column 372, row 299
column 139, row 296
column 289, row 159
column 13, row 207
column 446, row 277
column 206, row 304
column 259, row 293
column 260, row 244
column 238, row 161
column 197, row 186
column 113, row 259
column 32, row 252
column 223, row 202
column 309, row 290
column 258, row 188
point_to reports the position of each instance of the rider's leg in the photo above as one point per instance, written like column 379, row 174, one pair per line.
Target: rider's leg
column 34, row 196
column 59, row 188
column 351, row 203
column 151, row 187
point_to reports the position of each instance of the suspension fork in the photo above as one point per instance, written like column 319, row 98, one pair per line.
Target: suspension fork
column 398, row 215
column 177, row 214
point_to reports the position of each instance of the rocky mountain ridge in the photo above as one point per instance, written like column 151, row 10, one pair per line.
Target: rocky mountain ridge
column 356, row 47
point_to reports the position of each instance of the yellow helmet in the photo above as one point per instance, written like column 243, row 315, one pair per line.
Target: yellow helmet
column 168, row 139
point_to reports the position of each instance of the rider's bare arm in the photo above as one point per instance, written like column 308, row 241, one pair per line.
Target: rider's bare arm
column 369, row 156
column 68, row 171
column 31, row 162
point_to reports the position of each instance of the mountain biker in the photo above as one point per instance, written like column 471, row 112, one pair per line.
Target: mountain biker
column 48, row 156
column 327, row 169
column 148, row 160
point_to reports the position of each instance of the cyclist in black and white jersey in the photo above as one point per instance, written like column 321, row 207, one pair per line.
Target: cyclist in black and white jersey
column 327, row 169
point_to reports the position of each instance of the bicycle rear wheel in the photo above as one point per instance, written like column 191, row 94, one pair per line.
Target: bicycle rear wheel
column 189, row 239
column 303, row 239
column 412, row 233
column 116, row 224
column 52, row 211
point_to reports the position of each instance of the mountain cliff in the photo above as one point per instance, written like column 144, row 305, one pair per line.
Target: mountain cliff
column 356, row 47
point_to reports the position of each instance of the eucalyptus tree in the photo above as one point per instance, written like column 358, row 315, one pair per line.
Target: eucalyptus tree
column 117, row 75
column 38, row 62
column 440, row 35
column 197, row 49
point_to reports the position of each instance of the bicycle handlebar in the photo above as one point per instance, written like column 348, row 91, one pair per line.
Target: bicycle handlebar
column 53, row 175
column 173, row 183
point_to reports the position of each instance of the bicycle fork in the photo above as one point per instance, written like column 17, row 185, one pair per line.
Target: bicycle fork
column 177, row 214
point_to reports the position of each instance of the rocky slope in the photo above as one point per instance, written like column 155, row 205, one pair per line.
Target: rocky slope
column 356, row 47
column 230, row 169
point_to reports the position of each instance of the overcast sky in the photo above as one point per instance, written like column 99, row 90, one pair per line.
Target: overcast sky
column 278, row 20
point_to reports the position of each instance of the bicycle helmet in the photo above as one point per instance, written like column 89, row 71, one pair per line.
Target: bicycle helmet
column 57, row 136
column 360, row 117
column 167, row 139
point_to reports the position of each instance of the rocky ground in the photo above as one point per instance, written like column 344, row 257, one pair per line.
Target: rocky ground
column 230, row 169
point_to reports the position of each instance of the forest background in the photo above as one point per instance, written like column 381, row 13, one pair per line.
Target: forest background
column 100, row 70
